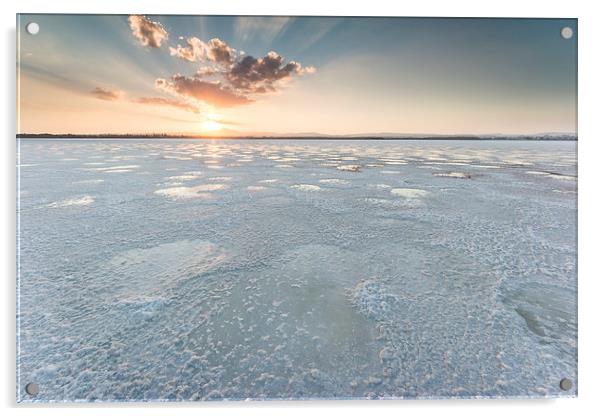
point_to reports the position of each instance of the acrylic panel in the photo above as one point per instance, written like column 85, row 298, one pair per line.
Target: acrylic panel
column 243, row 207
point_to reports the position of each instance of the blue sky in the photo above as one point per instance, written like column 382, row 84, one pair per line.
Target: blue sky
column 120, row 74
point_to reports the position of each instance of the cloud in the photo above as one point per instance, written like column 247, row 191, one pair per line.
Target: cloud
column 106, row 94
column 264, row 29
column 260, row 75
column 206, row 71
column 147, row 32
column 227, row 77
column 195, row 51
column 160, row 101
column 210, row 92
column 114, row 95
column 216, row 50
column 228, row 81
column 313, row 30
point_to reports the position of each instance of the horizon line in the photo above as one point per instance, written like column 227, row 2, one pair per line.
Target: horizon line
column 373, row 136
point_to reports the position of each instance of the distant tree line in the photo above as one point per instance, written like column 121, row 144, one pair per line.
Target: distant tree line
column 317, row 137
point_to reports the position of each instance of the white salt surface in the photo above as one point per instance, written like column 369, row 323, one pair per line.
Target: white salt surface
column 82, row 201
column 409, row 192
column 307, row 187
column 325, row 284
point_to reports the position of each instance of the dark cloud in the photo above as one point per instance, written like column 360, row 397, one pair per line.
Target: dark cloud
column 147, row 32
column 161, row 101
column 106, row 94
column 213, row 93
column 260, row 75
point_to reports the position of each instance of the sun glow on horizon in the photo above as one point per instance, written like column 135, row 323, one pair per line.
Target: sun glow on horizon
column 211, row 125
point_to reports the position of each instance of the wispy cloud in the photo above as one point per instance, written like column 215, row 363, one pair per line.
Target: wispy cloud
column 161, row 101
column 314, row 30
column 263, row 29
column 106, row 94
column 57, row 79
column 147, row 32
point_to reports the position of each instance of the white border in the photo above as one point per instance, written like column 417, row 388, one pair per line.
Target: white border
column 590, row 139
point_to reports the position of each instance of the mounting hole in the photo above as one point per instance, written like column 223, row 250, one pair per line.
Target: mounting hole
column 566, row 32
column 566, row 384
column 32, row 389
column 32, row 28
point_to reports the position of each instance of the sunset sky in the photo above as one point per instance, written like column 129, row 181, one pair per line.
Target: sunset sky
column 227, row 75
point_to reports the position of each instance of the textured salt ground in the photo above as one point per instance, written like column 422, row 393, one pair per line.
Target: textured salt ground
column 202, row 191
column 83, row 201
column 350, row 291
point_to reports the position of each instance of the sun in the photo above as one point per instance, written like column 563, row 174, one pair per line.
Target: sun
column 211, row 125
column 211, row 122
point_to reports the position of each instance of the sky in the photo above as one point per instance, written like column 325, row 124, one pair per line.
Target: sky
column 248, row 75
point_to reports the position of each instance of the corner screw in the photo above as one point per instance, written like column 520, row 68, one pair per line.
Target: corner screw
column 32, row 389
column 566, row 384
